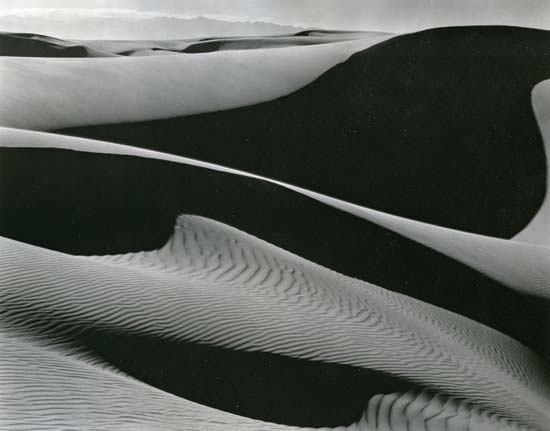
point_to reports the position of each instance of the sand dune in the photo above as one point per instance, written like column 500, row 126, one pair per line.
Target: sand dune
column 54, row 397
column 101, row 199
column 227, row 43
column 441, row 319
column 361, row 123
column 521, row 266
column 46, row 390
column 62, row 93
column 36, row 45
column 213, row 284
column 273, row 42
column 122, row 46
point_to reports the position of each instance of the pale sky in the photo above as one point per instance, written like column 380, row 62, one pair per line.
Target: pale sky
column 383, row 15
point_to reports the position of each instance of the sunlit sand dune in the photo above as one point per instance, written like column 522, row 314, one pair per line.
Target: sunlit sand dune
column 393, row 121
column 36, row 45
column 63, row 392
column 361, row 243
column 62, row 93
column 213, row 284
column 521, row 266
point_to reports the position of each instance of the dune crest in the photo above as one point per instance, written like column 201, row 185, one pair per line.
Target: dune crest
column 256, row 297
column 519, row 265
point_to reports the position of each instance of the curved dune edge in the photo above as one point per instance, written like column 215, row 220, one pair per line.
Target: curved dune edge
column 518, row 265
column 51, row 395
column 216, row 285
column 50, row 94
column 538, row 230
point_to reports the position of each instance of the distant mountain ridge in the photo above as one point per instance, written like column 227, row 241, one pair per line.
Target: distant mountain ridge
column 118, row 26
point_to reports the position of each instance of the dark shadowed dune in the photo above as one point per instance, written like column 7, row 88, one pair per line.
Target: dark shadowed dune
column 83, row 203
column 35, row 45
column 436, row 126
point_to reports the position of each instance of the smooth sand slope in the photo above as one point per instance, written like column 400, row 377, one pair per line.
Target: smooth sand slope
column 216, row 285
column 61, row 93
column 416, row 124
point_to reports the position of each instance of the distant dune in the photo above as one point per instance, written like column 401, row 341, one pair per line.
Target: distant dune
column 33, row 45
column 274, row 42
column 36, row 45
column 62, row 93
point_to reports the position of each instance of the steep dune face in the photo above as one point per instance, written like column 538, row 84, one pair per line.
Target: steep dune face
column 213, row 284
column 426, row 126
column 101, row 198
column 46, row 94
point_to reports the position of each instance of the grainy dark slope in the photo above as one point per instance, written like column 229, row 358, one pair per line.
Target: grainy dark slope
column 83, row 203
column 435, row 126
column 35, row 45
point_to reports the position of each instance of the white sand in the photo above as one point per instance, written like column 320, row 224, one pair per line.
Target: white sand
column 214, row 284
column 53, row 93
